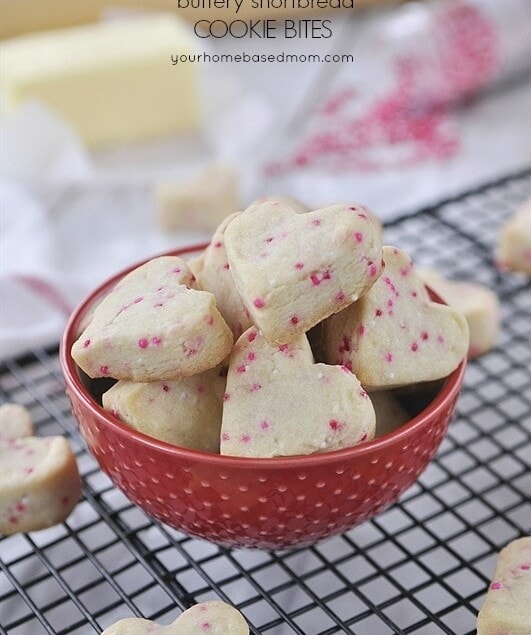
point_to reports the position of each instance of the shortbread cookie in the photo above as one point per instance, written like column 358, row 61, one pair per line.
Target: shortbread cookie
column 212, row 272
column 153, row 326
column 514, row 248
column 200, row 204
column 15, row 422
column 390, row 414
column 279, row 403
column 186, row 412
column 293, row 270
column 207, row 618
column 507, row 607
column 476, row 302
column 39, row 479
column 395, row 335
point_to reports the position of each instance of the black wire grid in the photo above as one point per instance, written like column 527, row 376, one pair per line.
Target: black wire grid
column 420, row 567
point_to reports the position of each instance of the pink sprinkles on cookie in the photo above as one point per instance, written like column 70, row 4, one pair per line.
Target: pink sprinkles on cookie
column 316, row 279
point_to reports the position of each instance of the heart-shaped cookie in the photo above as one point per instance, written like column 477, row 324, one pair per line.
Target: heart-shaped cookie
column 154, row 326
column 207, row 618
column 293, row 270
column 15, row 422
column 279, row 403
column 39, row 479
column 506, row 607
column 186, row 412
column 513, row 252
column 478, row 303
column 199, row 204
column 395, row 335
column 212, row 273
column 212, row 270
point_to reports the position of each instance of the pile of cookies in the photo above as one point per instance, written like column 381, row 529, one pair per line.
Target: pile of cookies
column 219, row 353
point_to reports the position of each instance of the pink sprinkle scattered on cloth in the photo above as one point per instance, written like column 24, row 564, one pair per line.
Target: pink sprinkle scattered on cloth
column 414, row 122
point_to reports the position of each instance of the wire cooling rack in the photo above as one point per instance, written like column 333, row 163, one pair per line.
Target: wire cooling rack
column 420, row 567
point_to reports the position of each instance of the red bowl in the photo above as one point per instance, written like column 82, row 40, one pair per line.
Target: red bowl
column 264, row 503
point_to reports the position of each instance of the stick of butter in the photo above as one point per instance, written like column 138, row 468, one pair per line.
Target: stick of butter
column 113, row 82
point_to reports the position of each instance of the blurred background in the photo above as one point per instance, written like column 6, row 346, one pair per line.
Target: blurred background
column 111, row 152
